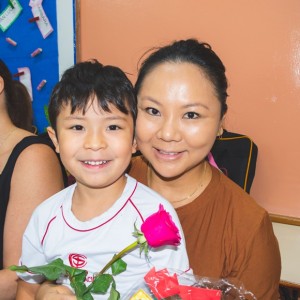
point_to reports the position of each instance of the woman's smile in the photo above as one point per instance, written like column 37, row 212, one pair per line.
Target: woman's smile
column 171, row 155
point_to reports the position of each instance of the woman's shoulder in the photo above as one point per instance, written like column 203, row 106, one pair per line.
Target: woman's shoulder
column 35, row 157
column 32, row 139
column 29, row 142
column 232, row 208
column 241, row 204
column 35, row 147
column 28, row 148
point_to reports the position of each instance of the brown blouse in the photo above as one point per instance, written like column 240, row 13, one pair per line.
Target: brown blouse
column 228, row 235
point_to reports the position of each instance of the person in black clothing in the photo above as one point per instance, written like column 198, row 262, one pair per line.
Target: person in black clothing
column 30, row 172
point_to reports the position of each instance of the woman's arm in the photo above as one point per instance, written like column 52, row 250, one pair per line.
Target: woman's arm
column 260, row 271
column 37, row 176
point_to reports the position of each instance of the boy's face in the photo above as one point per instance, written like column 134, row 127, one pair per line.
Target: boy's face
column 96, row 147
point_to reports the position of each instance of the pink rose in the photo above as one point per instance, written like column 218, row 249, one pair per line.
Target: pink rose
column 160, row 230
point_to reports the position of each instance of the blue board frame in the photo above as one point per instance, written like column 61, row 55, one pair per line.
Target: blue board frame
column 53, row 59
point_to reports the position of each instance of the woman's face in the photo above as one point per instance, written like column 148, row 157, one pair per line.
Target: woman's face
column 178, row 118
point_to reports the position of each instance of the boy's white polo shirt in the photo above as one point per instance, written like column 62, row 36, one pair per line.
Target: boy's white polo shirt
column 54, row 232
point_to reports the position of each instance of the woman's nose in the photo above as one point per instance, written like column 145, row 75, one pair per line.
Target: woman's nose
column 169, row 130
column 95, row 141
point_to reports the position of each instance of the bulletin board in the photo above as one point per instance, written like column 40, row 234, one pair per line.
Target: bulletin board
column 38, row 43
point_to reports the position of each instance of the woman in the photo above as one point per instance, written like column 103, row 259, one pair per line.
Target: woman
column 30, row 172
column 181, row 91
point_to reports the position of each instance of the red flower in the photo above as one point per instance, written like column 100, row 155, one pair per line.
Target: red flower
column 159, row 229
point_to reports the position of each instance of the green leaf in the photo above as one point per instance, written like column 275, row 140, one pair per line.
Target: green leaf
column 118, row 267
column 87, row 296
column 114, row 294
column 78, row 273
column 78, row 286
column 80, row 289
column 101, row 283
column 51, row 271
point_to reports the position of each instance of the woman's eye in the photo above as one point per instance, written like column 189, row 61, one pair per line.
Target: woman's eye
column 113, row 127
column 77, row 127
column 152, row 111
column 191, row 115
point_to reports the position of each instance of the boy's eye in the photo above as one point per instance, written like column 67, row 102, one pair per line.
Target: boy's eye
column 191, row 115
column 152, row 111
column 113, row 127
column 77, row 127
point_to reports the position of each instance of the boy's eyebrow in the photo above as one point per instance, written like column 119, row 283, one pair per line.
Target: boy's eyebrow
column 114, row 117
column 108, row 117
column 72, row 117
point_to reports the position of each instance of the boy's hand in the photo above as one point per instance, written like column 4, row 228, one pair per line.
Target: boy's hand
column 49, row 291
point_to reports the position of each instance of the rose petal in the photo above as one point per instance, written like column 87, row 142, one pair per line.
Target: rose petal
column 160, row 230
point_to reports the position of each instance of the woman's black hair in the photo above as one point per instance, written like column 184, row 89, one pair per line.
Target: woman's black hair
column 194, row 52
column 17, row 100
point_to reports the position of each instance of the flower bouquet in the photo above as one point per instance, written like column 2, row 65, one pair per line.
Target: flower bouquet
column 176, row 285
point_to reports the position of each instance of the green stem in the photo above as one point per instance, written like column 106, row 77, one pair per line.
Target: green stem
column 115, row 258
column 119, row 255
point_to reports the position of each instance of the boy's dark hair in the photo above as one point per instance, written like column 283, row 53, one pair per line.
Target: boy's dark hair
column 87, row 79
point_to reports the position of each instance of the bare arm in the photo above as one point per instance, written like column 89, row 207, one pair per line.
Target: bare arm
column 49, row 291
column 26, row 291
column 37, row 176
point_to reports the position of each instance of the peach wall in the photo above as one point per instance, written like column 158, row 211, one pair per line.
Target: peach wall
column 258, row 41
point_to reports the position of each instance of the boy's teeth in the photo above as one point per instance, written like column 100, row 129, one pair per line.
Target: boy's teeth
column 95, row 163
column 169, row 153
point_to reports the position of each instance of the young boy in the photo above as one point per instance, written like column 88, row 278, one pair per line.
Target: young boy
column 92, row 112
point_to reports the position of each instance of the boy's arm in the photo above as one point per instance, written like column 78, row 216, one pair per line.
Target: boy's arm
column 51, row 291
column 26, row 291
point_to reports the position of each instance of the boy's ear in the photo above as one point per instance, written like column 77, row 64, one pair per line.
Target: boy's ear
column 134, row 146
column 1, row 84
column 53, row 137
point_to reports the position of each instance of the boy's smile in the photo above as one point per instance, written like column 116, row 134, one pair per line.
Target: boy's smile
column 96, row 146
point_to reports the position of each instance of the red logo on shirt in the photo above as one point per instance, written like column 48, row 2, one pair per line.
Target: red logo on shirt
column 77, row 260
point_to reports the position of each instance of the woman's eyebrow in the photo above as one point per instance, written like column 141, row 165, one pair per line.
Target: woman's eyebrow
column 196, row 105
column 150, row 99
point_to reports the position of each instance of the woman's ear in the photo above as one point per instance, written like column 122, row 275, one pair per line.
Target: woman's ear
column 220, row 131
column 221, row 125
column 134, row 146
column 53, row 137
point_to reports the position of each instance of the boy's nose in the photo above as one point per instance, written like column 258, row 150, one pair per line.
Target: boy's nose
column 95, row 141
